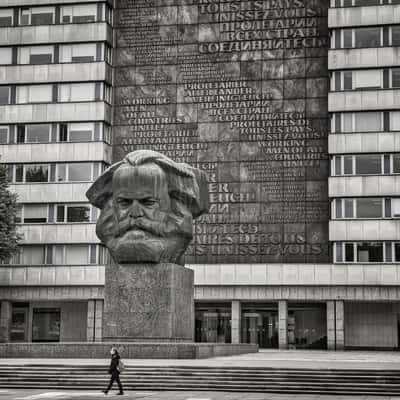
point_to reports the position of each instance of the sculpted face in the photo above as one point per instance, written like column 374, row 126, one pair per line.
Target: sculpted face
column 140, row 199
column 147, row 227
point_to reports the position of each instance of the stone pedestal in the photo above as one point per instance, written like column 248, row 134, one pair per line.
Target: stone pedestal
column 148, row 302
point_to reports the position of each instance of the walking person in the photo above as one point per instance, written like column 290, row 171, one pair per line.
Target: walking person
column 114, row 370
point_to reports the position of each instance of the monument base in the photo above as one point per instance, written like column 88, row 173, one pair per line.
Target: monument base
column 145, row 350
column 148, row 302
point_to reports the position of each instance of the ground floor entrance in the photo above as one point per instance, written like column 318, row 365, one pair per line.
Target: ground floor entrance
column 45, row 321
column 258, row 323
column 331, row 324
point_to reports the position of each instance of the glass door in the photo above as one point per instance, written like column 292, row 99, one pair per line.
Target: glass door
column 19, row 324
column 260, row 328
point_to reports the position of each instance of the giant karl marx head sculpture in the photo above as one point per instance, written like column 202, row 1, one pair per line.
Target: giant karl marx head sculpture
column 148, row 203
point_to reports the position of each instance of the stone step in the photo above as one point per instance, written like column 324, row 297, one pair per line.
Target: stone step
column 164, row 375
column 238, row 379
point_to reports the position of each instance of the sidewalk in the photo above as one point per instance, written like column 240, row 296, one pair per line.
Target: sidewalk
column 311, row 359
column 91, row 395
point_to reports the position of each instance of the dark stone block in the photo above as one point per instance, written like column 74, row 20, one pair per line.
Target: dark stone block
column 148, row 302
column 256, row 105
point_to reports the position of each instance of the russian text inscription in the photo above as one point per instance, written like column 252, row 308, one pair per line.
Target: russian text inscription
column 238, row 89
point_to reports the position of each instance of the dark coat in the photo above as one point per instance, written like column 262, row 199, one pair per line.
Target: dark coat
column 114, row 364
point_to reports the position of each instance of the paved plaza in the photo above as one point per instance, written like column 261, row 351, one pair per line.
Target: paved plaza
column 90, row 395
column 304, row 359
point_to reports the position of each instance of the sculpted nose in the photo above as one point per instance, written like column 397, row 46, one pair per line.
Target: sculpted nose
column 135, row 210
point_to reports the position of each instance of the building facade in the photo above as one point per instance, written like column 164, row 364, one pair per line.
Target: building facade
column 292, row 109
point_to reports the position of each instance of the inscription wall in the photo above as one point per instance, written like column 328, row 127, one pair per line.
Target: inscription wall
column 237, row 88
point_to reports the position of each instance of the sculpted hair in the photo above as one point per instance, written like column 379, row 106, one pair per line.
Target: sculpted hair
column 185, row 184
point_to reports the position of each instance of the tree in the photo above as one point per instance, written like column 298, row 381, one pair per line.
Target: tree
column 9, row 236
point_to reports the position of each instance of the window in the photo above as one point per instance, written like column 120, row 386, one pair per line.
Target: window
column 77, row 255
column 77, row 92
column 34, row 94
column 78, row 213
column 5, row 55
column 347, row 80
column 61, row 173
column 35, row 213
column 84, row 132
column 369, row 208
column 37, row 173
column 368, row 122
column 81, row 132
column 363, row 3
column 348, row 252
column 79, row 13
column 78, row 53
column 348, row 165
column 79, row 172
column 367, row 79
column 347, row 38
column 6, row 17
column 396, row 35
column 347, row 122
column 396, row 163
column 396, row 252
column 36, row 55
column 4, row 95
column 395, row 77
column 73, row 213
column 46, row 325
column 3, row 134
column 395, row 120
column 348, row 208
column 367, row 37
column 38, row 133
column 395, row 208
column 369, row 252
column 367, row 164
column 73, row 172
column 37, row 16
column 32, row 255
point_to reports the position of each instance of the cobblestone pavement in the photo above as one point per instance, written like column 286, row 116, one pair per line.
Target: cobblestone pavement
column 141, row 395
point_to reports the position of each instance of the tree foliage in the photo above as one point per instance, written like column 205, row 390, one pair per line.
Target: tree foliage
column 9, row 236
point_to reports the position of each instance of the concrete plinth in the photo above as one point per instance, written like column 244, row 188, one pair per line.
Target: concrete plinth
column 127, row 350
column 148, row 302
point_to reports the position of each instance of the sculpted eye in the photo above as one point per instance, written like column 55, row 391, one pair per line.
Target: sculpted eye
column 123, row 202
column 149, row 202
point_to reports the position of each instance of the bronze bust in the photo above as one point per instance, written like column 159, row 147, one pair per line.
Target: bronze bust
column 148, row 203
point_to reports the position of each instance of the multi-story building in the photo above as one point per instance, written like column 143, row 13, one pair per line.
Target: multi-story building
column 271, row 277
column 55, row 91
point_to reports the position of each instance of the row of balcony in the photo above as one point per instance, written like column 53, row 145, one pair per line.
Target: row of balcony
column 218, row 274
column 364, row 230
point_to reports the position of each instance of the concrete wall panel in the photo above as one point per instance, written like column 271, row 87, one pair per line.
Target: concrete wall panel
column 363, row 16
column 350, row 143
column 57, row 112
column 356, row 186
column 371, row 325
column 68, row 33
column 364, row 58
column 78, row 72
column 58, row 233
column 364, row 100
column 53, row 152
column 297, row 274
column 51, row 192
